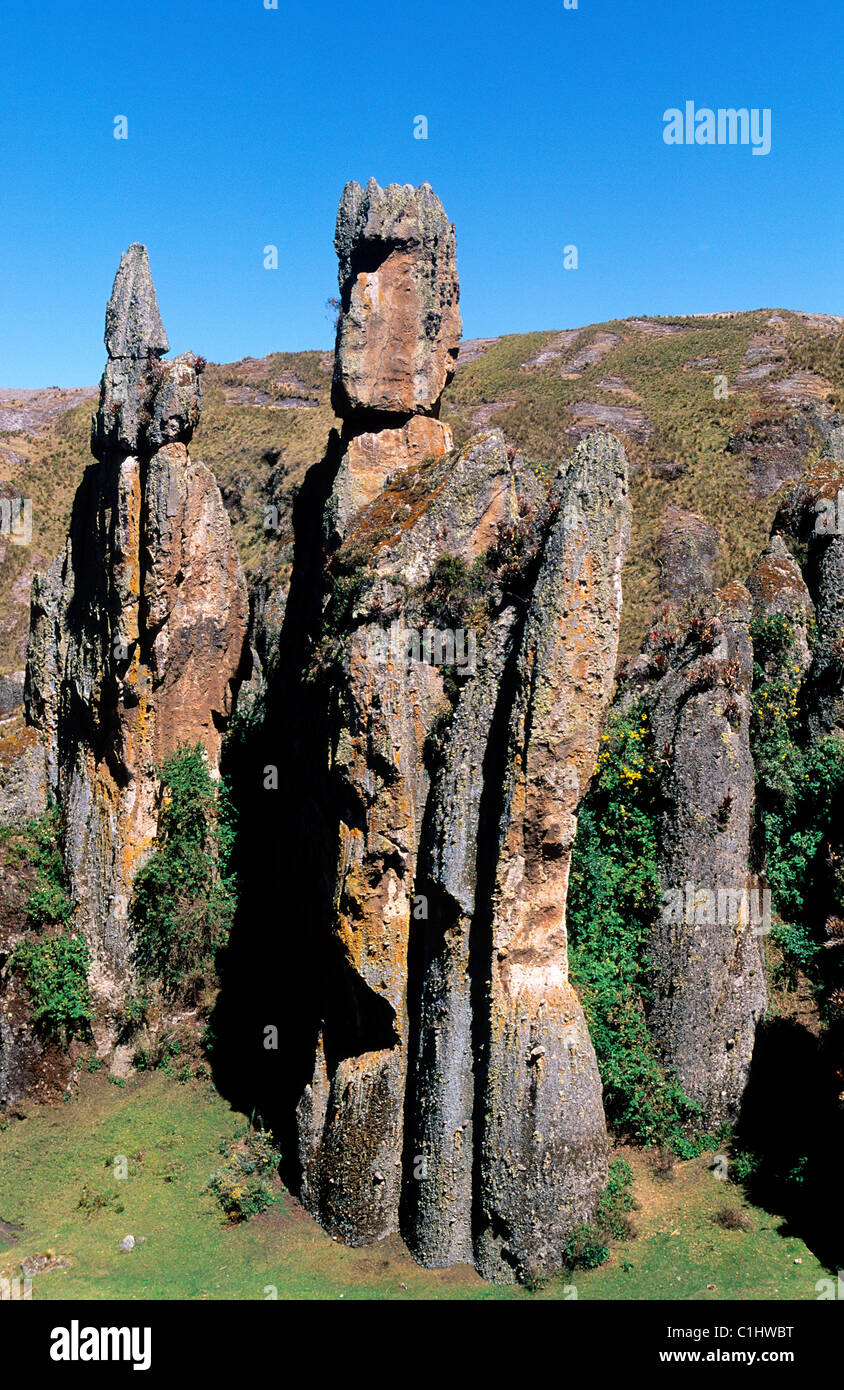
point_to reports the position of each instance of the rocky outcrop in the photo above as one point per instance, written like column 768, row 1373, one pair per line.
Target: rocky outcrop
column 352, row 1118
column 398, row 335
column 458, row 671
column 23, row 777
column 399, row 329
column 543, row 1147
column 813, row 516
column 777, row 587
column 687, row 553
column 440, row 1203
column 137, row 631
column 454, row 1089
column 708, row 987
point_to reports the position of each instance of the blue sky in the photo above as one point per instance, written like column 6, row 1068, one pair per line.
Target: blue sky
column 544, row 130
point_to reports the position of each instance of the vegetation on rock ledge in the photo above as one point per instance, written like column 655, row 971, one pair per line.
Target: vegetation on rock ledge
column 184, row 898
column 614, row 897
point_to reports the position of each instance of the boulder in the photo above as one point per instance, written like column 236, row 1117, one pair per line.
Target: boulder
column 688, row 551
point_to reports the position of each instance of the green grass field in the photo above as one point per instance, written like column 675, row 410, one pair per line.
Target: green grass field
column 171, row 1132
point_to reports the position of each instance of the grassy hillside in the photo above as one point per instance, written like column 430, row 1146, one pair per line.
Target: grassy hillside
column 265, row 420
column 59, row 1197
column 653, row 381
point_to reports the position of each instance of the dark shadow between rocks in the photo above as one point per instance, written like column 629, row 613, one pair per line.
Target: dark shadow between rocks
column 791, row 1121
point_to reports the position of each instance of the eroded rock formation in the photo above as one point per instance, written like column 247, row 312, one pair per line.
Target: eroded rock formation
column 687, row 552
column 543, row 1146
column 705, row 954
column 813, row 516
column 138, row 629
column 453, row 1091
column 398, row 335
column 399, row 328
column 777, row 586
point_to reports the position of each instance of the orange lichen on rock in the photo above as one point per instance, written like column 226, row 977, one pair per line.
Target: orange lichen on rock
column 153, row 653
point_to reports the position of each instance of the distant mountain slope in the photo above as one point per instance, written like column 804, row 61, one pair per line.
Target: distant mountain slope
column 657, row 382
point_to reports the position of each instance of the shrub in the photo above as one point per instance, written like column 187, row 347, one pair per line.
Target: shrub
column 616, row 1201
column 772, row 638
column 663, row 1163
column 133, row 1015
column 731, row 1219
column 92, row 1203
column 585, row 1248
column 799, row 787
column 184, row 898
column 243, row 1187
column 455, row 596
column 48, row 902
column 56, row 973
column 744, row 1165
column 614, row 899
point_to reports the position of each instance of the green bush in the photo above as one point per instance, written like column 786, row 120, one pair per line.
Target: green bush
column 56, row 973
column 799, row 790
column 133, row 1015
column 616, row 1201
column 243, row 1187
column 456, row 595
column 586, row 1248
column 614, row 899
column 184, row 897
column 48, row 902
column 786, row 1170
column 92, row 1203
column 588, row 1245
column 772, row 638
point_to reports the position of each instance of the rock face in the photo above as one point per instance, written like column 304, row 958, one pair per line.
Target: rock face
column 777, row 586
column 452, row 1091
column 352, row 1118
column 813, row 515
column 707, row 978
column 543, row 1148
column 399, row 329
column 688, row 553
column 137, row 631
column 23, row 778
column 398, row 336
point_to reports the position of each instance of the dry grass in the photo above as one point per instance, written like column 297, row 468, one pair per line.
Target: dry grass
column 259, row 444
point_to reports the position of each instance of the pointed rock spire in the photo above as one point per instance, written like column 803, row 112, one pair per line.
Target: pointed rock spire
column 137, row 633
column 133, row 326
column 144, row 403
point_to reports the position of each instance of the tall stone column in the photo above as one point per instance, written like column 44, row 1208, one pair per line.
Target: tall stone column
column 454, row 1087
column 138, row 629
column 397, row 340
column 543, row 1147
